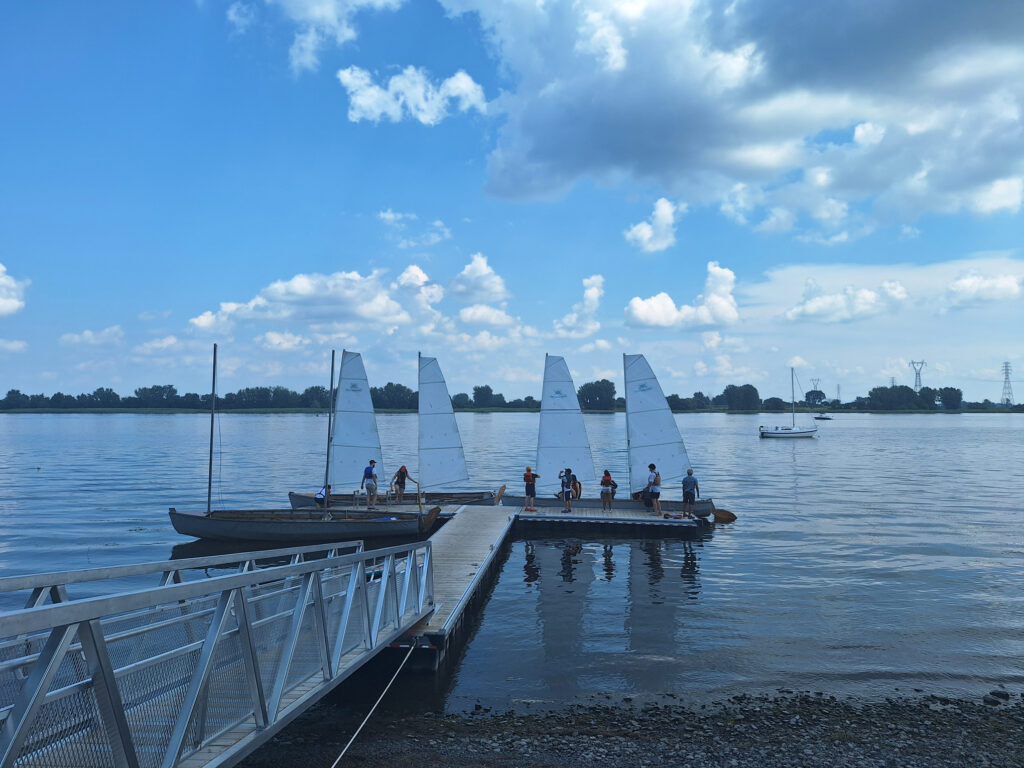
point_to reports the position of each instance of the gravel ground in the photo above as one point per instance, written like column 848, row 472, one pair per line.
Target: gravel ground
column 785, row 730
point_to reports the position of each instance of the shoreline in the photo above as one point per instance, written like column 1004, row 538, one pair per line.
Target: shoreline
column 740, row 732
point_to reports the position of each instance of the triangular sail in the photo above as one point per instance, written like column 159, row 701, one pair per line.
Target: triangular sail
column 652, row 435
column 441, row 457
column 355, row 439
column 562, row 440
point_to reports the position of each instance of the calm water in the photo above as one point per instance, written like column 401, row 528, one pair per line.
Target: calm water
column 887, row 553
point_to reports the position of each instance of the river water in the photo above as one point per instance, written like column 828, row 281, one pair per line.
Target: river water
column 884, row 556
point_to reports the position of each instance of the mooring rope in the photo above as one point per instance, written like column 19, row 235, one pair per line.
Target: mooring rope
column 369, row 714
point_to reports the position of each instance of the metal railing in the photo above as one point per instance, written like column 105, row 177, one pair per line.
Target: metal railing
column 199, row 672
column 53, row 586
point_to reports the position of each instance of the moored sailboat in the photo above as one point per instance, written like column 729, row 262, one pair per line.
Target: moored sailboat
column 792, row 430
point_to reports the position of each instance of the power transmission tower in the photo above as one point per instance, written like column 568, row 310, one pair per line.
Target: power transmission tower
column 1007, row 398
column 892, row 382
column 917, row 365
column 815, row 383
column 838, row 399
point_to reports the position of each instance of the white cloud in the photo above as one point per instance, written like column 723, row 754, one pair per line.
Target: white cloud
column 343, row 296
column 868, row 134
column 320, row 22
column 973, row 287
column 716, row 306
column 711, row 339
column 157, row 345
column 12, row 292
column 7, row 345
column 107, row 337
column 437, row 233
column 659, row 233
column 600, row 37
column 850, row 303
column 281, row 341
column 777, row 220
column 1000, row 195
column 478, row 282
column 597, row 344
column 413, row 276
column 409, row 93
column 481, row 314
column 582, row 321
column 797, row 362
column 241, row 16
column 395, row 218
column 908, row 232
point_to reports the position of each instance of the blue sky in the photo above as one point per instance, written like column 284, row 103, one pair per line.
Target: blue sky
column 728, row 188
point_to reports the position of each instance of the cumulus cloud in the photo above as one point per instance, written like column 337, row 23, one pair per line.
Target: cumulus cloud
column 395, row 218
column 850, row 303
column 342, row 296
column 12, row 292
column 281, row 341
column 582, row 321
column 107, row 337
column 716, row 306
column 320, row 22
column 706, row 98
column 478, row 282
column 597, row 344
column 973, row 287
column 409, row 93
column 482, row 314
column 157, row 345
column 8, row 345
column 660, row 232
column 413, row 276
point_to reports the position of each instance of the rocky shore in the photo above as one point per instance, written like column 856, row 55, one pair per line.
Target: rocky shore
column 744, row 731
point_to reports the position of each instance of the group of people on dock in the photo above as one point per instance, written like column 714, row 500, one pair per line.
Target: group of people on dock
column 571, row 488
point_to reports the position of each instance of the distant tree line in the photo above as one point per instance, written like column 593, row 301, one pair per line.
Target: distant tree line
column 593, row 396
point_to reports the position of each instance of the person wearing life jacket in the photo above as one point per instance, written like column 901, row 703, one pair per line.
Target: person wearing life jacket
column 369, row 482
column 608, row 487
column 569, row 482
column 530, row 478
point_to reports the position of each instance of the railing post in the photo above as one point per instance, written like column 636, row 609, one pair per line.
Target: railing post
column 30, row 699
column 108, row 695
column 251, row 659
column 378, row 613
column 320, row 618
column 198, row 682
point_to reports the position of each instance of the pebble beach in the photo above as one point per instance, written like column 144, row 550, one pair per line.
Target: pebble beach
column 790, row 729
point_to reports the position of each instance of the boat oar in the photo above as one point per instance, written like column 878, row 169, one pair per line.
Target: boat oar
column 722, row 515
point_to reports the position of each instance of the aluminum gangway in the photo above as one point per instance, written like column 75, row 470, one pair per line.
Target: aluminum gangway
column 195, row 672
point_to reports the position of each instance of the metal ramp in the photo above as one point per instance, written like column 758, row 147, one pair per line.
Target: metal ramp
column 200, row 672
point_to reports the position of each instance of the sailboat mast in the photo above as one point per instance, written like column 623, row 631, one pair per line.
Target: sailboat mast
column 213, row 413
column 792, row 392
column 330, row 425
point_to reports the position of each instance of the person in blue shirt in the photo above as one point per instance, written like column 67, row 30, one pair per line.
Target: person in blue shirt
column 691, row 490
column 369, row 481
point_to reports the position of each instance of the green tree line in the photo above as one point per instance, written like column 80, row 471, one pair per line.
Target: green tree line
column 593, row 396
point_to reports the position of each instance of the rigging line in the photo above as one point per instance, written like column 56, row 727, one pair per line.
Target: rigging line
column 369, row 714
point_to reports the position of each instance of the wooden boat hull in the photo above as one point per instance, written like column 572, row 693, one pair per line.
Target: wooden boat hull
column 287, row 525
column 701, row 508
column 787, row 432
column 430, row 498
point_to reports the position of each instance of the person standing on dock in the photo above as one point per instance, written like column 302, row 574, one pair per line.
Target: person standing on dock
column 654, row 488
column 691, row 490
column 530, row 478
column 608, row 487
column 398, row 482
column 369, row 481
column 568, row 481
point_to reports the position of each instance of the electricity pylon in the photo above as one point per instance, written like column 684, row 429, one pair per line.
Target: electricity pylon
column 917, row 365
column 1007, row 398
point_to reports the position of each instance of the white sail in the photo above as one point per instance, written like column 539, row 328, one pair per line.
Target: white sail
column 441, row 457
column 652, row 435
column 354, row 439
column 562, row 440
